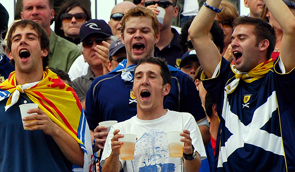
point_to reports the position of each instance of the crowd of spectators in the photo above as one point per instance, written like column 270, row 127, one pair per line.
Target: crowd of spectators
column 203, row 62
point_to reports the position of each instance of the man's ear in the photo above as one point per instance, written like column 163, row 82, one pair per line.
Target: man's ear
column 122, row 38
column 44, row 52
column 52, row 12
column 246, row 3
column 109, row 65
column 9, row 55
column 157, row 38
column 22, row 15
column 166, row 89
column 263, row 45
column 175, row 12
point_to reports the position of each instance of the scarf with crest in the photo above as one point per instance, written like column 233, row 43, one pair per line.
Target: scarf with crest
column 58, row 100
column 256, row 73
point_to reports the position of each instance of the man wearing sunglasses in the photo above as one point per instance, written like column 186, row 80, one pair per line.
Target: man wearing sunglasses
column 167, row 47
column 62, row 53
column 117, row 14
column 93, row 34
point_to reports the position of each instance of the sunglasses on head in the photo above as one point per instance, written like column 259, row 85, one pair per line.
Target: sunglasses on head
column 117, row 16
column 189, row 44
column 67, row 17
column 120, row 59
column 89, row 42
column 163, row 4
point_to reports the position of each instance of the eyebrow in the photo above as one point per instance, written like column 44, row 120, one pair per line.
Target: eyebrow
column 27, row 34
column 239, row 35
column 148, row 72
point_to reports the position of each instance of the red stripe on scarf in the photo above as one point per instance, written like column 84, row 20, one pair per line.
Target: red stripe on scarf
column 76, row 97
column 59, row 113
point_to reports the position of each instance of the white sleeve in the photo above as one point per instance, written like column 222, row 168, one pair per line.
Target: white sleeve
column 196, row 136
column 78, row 68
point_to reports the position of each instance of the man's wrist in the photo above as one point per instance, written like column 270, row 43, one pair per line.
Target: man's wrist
column 191, row 156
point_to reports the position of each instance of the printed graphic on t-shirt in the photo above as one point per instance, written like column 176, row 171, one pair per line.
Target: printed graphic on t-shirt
column 151, row 154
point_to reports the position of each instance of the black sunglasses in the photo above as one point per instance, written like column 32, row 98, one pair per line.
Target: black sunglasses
column 163, row 4
column 89, row 42
column 117, row 16
column 120, row 59
column 67, row 17
column 189, row 44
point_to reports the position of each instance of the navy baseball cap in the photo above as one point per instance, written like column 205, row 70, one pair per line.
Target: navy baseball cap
column 4, row 16
column 290, row 4
column 115, row 47
column 188, row 56
column 95, row 26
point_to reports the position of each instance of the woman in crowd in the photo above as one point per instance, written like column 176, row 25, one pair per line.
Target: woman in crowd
column 69, row 20
column 225, row 19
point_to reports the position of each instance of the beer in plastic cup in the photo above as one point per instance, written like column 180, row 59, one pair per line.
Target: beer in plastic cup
column 23, row 111
column 108, row 124
column 175, row 146
column 128, row 147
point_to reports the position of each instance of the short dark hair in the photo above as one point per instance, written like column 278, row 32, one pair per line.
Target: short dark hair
column 43, row 37
column 216, row 32
column 165, row 72
column 262, row 30
column 209, row 102
column 218, row 35
column 65, row 9
column 182, row 38
column 62, row 75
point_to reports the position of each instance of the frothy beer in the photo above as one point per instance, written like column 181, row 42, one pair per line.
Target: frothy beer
column 175, row 149
column 127, row 151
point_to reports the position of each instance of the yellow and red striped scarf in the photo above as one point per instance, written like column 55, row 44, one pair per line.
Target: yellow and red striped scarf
column 256, row 73
column 58, row 100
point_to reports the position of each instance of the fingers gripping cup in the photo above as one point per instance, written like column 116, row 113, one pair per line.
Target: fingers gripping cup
column 23, row 111
column 175, row 146
column 128, row 146
column 108, row 124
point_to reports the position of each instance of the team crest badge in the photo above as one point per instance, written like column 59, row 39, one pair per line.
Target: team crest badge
column 132, row 98
column 178, row 62
column 246, row 101
column 1, row 79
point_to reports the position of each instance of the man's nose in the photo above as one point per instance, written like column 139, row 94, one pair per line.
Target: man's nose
column 145, row 80
column 138, row 34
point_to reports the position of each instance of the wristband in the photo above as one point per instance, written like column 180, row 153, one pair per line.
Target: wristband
column 212, row 8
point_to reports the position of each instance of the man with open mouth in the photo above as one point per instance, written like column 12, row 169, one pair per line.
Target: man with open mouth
column 110, row 97
column 151, row 84
column 51, row 137
column 62, row 53
column 255, row 96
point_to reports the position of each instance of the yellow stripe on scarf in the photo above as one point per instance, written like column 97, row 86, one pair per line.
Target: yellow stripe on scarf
column 55, row 98
column 256, row 73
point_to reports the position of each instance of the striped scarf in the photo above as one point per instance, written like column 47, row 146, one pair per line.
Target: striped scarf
column 256, row 73
column 58, row 100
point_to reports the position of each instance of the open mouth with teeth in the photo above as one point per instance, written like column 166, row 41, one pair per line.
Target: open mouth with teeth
column 138, row 48
column 145, row 94
column 24, row 53
column 237, row 55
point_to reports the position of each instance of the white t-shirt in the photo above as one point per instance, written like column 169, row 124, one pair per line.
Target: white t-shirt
column 151, row 147
column 78, row 68
column 190, row 8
